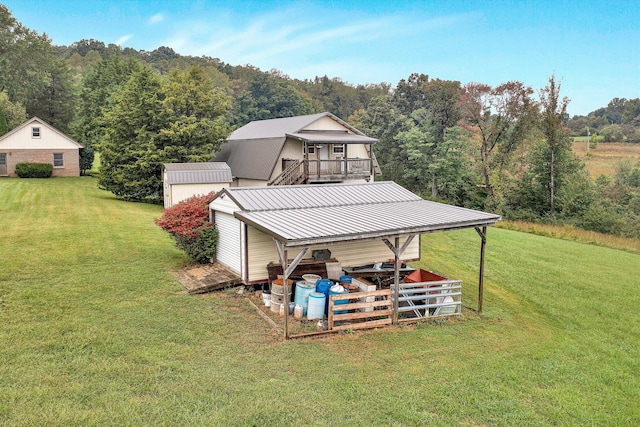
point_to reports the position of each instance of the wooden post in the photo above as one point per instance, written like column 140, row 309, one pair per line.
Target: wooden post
column 397, row 251
column 483, row 236
column 287, row 270
column 396, row 280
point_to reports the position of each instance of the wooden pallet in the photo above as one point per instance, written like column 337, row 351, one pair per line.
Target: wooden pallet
column 379, row 310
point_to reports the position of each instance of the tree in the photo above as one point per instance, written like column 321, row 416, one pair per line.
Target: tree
column 55, row 103
column 131, row 127
column 98, row 86
column 408, row 95
column 22, row 55
column 195, row 117
column 14, row 113
column 269, row 98
column 153, row 122
column 557, row 153
column 382, row 121
column 501, row 118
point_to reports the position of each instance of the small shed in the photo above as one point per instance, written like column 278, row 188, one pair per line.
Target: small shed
column 184, row 180
column 357, row 222
column 36, row 141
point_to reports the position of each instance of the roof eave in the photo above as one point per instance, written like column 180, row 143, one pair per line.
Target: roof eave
column 345, row 238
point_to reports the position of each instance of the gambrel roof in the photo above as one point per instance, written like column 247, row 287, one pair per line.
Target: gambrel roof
column 253, row 150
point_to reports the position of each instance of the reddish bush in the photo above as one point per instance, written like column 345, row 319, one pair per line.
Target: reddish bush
column 188, row 224
column 186, row 217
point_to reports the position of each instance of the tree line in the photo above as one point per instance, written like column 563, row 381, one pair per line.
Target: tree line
column 505, row 148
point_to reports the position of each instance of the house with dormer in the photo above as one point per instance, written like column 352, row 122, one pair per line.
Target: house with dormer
column 36, row 141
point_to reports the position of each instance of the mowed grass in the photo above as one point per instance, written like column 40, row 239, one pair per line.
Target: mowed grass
column 604, row 159
column 94, row 330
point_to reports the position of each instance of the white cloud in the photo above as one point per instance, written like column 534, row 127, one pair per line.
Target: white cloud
column 309, row 42
column 122, row 40
column 156, row 19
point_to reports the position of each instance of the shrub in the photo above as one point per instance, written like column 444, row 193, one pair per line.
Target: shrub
column 34, row 170
column 189, row 226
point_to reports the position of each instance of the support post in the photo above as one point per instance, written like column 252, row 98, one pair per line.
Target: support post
column 483, row 236
column 397, row 251
column 396, row 281
column 287, row 270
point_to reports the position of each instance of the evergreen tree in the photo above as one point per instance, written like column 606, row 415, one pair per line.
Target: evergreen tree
column 130, row 168
column 154, row 122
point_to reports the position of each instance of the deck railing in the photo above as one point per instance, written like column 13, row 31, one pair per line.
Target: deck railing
column 336, row 168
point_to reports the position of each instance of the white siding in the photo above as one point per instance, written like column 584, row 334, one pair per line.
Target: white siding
column 325, row 123
column 49, row 139
column 180, row 192
column 242, row 182
column 228, row 251
column 262, row 251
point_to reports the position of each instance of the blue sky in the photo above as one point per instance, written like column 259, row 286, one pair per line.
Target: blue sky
column 592, row 46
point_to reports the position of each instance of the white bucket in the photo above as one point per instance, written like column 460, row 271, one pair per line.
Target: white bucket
column 316, row 305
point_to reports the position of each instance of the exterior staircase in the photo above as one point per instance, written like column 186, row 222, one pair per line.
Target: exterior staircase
column 291, row 175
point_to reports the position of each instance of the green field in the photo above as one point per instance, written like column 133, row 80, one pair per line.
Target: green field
column 94, row 330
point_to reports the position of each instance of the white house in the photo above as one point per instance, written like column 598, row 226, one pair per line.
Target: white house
column 36, row 141
column 317, row 148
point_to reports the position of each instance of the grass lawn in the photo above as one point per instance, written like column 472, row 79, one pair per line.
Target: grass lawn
column 94, row 330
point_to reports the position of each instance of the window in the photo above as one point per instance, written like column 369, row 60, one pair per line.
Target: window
column 338, row 148
column 308, row 148
column 35, row 132
column 58, row 160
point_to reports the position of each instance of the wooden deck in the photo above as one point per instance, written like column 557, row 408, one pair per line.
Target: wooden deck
column 204, row 278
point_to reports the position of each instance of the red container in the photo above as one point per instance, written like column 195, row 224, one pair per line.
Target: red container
column 421, row 275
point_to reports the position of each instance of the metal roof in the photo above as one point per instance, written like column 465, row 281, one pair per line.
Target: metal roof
column 309, row 215
column 332, row 138
column 253, row 150
column 198, row 173
column 274, row 128
column 251, row 159
column 313, row 196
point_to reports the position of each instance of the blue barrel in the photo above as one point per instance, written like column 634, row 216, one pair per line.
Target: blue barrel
column 323, row 286
column 344, row 301
column 303, row 289
column 346, row 279
column 316, row 305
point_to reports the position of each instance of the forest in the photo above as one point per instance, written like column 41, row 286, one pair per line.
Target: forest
column 505, row 149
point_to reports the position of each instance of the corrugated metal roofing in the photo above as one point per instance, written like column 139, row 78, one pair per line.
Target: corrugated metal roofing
column 313, row 196
column 315, row 214
column 333, row 138
column 198, row 173
column 251, row 159
column 274, row 128
column 301, row 227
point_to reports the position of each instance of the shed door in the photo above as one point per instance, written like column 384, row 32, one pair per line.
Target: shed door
column 3, row 164
column 229, row 248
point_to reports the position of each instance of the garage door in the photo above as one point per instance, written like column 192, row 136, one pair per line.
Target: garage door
column 228, row 250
